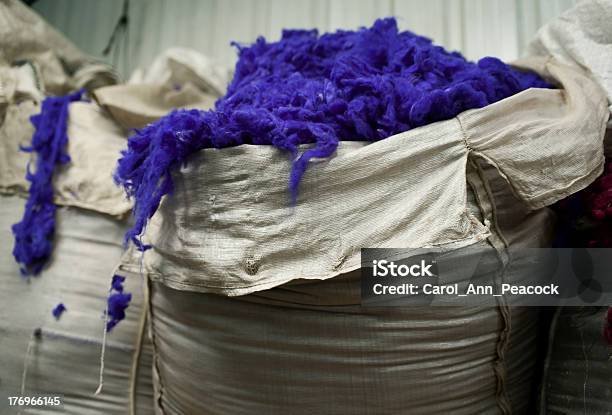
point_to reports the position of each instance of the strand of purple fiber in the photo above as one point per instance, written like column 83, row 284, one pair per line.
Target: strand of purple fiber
column 34, row 233
column 365, row 85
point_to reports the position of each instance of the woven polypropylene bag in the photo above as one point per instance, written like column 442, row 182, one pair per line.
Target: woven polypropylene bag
column 295, row 333
column 309, row 347
column 286, row 349
column 65, row 358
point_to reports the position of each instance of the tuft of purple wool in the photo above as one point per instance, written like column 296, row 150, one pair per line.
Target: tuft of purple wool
column 58, row 310
column 34, row 233
column 117, row 302
column 117, row 283
column 363, row 85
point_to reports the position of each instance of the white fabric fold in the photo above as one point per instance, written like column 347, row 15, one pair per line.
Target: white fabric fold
column 582, row 37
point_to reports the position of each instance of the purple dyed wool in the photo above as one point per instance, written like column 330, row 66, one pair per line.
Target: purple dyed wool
column 118, row 302
column 34, row 234
column 362, row 85
column 58, row 310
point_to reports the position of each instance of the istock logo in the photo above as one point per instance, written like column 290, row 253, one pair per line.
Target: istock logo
column 384, row 268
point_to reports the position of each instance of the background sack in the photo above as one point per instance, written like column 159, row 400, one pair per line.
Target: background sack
column 94, row 145
column 578, row 369
column 60, row 66
column 178, row 78
column 65, row 359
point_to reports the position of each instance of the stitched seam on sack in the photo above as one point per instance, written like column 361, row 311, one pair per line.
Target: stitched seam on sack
column 158, row 401
column 489, row 209
column 138, row 347
column 464, row 135
column 499, row 368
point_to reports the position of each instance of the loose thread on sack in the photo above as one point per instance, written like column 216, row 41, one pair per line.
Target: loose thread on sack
column 36, row 334
column 586, row 371
column 139, row 340
column 103, row 350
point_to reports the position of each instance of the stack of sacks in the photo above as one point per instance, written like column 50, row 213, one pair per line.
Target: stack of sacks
column 61, row 357
column 87, row 244
column 578, row 373
column 85, row 241
column 257, row 211
column 178, row 78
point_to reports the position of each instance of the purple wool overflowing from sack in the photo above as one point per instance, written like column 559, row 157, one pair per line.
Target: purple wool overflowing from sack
column 363, row 85
column 34, row 234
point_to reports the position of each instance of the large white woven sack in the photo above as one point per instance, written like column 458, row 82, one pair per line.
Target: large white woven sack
column 309, row 347
column 255, row 303
column 287, row 333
